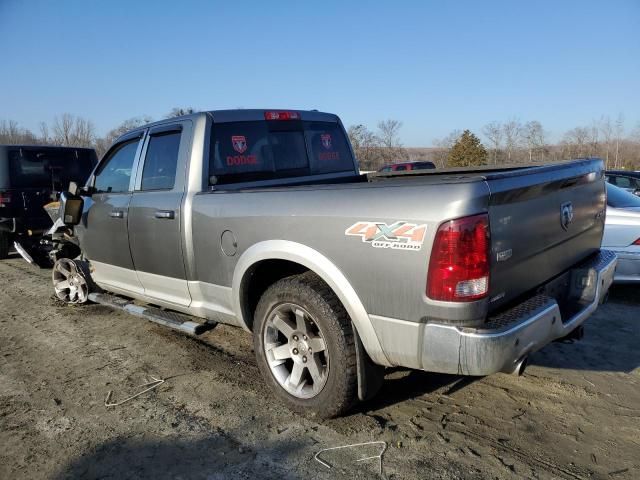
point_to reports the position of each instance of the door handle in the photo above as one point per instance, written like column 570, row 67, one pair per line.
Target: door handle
column 116, row 214
column 166, row 214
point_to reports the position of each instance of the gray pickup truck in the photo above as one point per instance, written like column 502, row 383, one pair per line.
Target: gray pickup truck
column 260, row 219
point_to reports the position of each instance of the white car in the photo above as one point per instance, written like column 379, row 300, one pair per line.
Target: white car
column 622, row 232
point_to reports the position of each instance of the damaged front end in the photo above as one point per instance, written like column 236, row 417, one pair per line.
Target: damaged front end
column 43, row 248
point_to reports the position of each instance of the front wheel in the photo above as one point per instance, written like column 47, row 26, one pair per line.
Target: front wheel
column 305, row 347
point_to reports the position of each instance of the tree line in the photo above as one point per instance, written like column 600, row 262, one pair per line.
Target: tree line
column 68, row 130
column 508, row 142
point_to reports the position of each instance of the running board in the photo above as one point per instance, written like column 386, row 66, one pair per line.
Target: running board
column 173, row 320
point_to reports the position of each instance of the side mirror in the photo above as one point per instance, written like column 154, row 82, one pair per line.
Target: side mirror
column 71, row 207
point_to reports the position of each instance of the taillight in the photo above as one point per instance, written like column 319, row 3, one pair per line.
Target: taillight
column 281, row 115
column 5, row 199
column 637, row 242
column 459, row 265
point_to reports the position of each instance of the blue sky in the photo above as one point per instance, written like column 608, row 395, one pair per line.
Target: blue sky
column 436, row 66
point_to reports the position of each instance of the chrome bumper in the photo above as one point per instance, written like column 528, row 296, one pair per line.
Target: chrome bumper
column 511, row 337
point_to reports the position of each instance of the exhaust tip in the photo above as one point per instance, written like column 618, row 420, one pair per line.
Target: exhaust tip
column 520, row 366
column 523, row 365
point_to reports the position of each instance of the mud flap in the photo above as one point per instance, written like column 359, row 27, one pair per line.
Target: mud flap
column 370, row 375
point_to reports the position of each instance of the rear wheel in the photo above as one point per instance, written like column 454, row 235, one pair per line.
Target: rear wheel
column 305, row 347
column 5, row 242
column 71, row 281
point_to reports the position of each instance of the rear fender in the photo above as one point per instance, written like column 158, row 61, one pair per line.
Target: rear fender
column 321, row 266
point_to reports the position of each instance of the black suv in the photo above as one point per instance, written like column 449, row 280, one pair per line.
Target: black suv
column 30, row 178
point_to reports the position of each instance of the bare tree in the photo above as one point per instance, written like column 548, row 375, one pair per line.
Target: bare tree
column 366, row 147
column 12, row 134
column 512, row 134
column 576, row 142
column 594, row 139
column 180, row 111
column 389, row 135
column 70, row 131
column 606, row 129
column 533, row 134
column 62, row 129
column 44, row 133
column 493, row 132
column 103, row 144
column 83, row 132
column 619, row 131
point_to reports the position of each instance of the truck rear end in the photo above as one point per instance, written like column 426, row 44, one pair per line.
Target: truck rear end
column 530, row 269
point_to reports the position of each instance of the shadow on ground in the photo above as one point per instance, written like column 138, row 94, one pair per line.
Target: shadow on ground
column 210, row 457
column 611, row 338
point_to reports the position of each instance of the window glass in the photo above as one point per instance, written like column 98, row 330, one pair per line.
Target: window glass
column 115, row 172
column 263, row 150
column 401, row 168
column 159, row 172
column 623, row 182
column 49, row 168
column 618, row 198
column 329, row 148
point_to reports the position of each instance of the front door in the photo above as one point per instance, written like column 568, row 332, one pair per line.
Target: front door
column 155, row 233
column 104, row 237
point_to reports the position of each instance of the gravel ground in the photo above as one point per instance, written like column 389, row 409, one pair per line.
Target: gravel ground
column 575, row 414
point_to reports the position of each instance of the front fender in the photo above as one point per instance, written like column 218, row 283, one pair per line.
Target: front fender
column 321, row 266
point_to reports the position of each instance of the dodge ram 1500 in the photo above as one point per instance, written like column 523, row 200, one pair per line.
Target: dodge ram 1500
column 260, row 219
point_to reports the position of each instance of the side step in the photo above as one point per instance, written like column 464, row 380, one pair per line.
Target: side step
column 172, row 320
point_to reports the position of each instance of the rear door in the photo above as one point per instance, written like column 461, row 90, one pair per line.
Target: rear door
column 155, row 219
column 104, row 237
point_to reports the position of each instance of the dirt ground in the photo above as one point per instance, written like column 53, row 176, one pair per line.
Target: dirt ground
column 575, row 414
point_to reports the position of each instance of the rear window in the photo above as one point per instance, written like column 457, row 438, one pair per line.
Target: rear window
column 262, row 150
column 619, row 198
column 47, row 168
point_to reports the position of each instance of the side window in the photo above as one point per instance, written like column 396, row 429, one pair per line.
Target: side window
column 159, row 172
column 401, row 168
column 114, row 174
column 623, row 182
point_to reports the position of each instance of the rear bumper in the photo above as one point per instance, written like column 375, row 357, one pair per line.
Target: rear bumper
column 511, row 337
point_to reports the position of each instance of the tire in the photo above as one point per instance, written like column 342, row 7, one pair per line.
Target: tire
column 335, row 391
column 5, row 242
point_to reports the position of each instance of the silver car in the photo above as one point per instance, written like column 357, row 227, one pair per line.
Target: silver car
column 622, row 232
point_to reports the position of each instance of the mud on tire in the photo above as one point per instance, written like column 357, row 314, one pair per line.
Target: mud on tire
column 327, row 325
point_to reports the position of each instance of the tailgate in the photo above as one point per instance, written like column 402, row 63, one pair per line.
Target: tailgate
column 543, row 221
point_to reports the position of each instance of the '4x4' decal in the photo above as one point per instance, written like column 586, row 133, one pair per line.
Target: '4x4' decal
column 399, row 235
